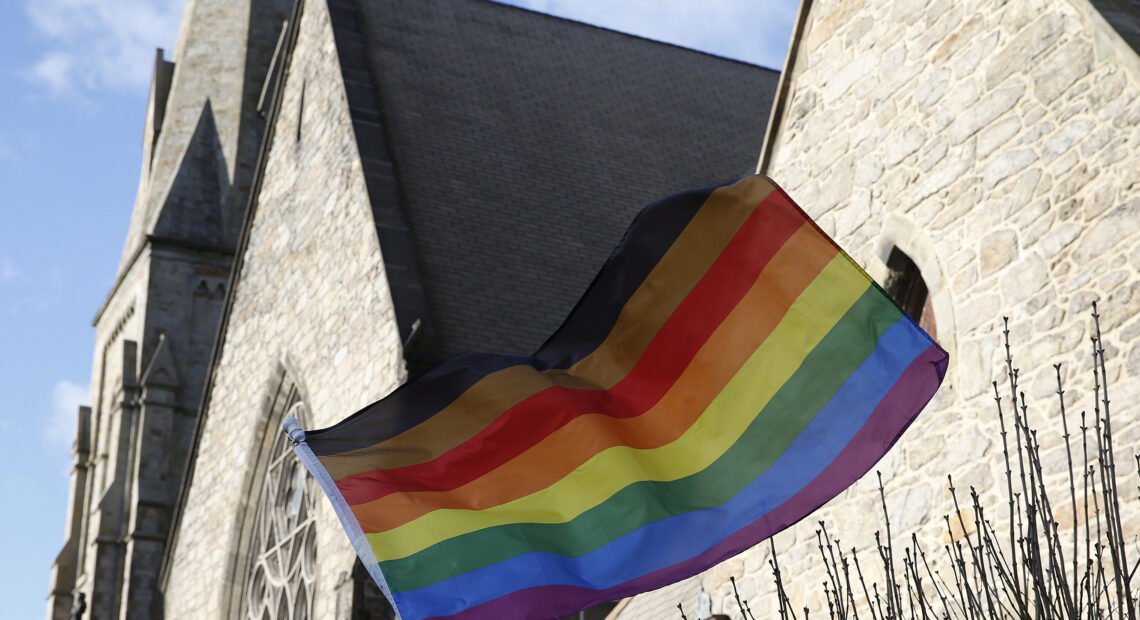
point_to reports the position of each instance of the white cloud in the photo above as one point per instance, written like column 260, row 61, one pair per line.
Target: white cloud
column 756, row 31
column 54, row 71
column 100, row 44
column 66, row 397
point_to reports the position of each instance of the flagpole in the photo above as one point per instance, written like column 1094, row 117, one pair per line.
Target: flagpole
column 348, row 521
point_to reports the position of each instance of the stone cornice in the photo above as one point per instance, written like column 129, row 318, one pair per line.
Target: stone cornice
column 156, row 241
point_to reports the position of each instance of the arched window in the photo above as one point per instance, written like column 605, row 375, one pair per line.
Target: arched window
column 905, row 285
column 282, row 546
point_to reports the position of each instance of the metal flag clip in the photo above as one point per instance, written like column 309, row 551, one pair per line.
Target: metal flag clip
column 293, row 429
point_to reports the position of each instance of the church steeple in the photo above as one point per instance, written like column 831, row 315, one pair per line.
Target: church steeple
column 217, row 70
column 155, row 331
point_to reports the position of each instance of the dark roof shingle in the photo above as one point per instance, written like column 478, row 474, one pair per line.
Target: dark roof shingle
column 523, row 144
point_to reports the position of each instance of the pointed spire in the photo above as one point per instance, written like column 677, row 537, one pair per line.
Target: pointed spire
column 205, row 100
column 192, row 210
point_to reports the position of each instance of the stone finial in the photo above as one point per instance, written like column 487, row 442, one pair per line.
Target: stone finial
column 160, row 81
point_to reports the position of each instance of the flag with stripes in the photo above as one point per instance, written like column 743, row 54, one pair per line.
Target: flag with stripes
column 728, row 371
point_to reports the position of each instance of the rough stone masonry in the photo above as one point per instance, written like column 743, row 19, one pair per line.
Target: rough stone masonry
column 998, row 145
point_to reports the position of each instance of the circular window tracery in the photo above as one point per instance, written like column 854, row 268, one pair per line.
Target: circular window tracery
column 283, row 555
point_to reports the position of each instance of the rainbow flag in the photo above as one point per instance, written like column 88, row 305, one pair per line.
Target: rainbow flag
column 729, row 370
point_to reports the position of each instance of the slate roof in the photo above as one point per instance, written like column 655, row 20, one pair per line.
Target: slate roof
column 518, row 147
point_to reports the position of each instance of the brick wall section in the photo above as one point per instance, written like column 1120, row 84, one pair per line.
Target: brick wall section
column 524, row 144
column 313, row 295
column 998, row 147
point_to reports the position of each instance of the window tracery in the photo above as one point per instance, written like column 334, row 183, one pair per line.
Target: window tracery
column 282, row 559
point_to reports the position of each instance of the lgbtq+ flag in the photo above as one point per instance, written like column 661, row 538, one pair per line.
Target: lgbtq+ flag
column 728, row 371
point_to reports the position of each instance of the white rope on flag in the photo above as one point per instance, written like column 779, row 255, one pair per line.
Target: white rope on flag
column 348, row 521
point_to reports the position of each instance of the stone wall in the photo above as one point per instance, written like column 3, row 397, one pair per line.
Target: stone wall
column 118, row 327
column 143, row 399
column 998, row 144
column 312, row 296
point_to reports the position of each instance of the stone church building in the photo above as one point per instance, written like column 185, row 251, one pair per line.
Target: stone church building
column 337, row 193
column 334, row 195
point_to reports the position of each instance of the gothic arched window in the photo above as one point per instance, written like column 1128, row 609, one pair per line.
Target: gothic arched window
column 905, row 285
column 282, row 550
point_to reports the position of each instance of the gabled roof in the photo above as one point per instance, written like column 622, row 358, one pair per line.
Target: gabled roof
column 521, row 146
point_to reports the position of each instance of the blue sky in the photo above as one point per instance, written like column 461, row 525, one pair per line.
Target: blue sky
column 73, row 83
